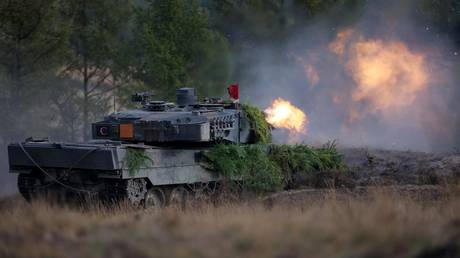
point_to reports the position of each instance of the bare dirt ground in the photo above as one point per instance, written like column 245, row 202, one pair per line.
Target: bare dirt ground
column 373, row 166
column 386, row 204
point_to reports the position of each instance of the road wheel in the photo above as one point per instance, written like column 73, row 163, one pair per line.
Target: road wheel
column 136, row 190
column 154, row 199
column 179, row 197
column 27, row 185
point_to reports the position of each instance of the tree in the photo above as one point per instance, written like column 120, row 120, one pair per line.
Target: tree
column 252, row 22
column 33, row 37
column 260, row 29
column 95, row 45
column 176, row 47
column 444, row 17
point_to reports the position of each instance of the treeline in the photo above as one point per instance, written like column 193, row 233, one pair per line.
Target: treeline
column 63, row 63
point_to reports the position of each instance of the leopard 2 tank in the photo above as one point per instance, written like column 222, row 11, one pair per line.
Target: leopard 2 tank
column 148, row 156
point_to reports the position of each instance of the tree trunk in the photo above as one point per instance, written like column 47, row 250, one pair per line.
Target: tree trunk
column 15, row 106
column 85, row 100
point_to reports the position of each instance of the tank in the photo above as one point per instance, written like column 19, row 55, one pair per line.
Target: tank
column 150, row 156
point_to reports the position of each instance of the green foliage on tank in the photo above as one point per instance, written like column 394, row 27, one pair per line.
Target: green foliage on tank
column 256, row 117
column 135, row 159
column 265, row 168
column 248, row 164
column 301, row 158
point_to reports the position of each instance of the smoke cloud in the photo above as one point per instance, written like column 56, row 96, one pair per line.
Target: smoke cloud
column 385, row 81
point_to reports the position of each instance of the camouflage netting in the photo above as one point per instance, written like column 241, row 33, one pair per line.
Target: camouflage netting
column 264, row 168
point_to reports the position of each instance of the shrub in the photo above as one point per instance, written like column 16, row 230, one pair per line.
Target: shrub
column 249, row 165
column 264, row 168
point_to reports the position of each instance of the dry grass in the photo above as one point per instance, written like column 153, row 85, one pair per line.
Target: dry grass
column 386, row 223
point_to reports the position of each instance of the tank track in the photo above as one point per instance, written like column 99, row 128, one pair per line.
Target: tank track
column 113, row 191
column 132, row 190
column 27, row 184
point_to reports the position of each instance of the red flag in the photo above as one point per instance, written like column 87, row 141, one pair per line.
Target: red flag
column 233, row 91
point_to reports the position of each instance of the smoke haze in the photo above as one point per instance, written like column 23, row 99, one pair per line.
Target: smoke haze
column 386, row 80
column 381, row 79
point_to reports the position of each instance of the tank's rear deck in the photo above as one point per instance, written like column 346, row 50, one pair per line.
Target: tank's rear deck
column 167, row 166
column 60, row 155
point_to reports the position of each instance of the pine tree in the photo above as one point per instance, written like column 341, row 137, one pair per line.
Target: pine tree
column 95, row 44
column 176, row 47
column 33, row 36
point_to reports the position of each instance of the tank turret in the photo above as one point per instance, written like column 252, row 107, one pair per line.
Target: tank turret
column 186, row 121
column 150, row 156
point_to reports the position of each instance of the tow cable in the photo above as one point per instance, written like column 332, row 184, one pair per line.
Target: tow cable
column 70, row 169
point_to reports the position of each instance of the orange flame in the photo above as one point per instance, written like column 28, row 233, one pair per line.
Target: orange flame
column 387, row 74
column 339, row 44
column 282, row 114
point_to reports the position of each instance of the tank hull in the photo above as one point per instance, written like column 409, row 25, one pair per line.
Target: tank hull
column 102, row 169
column 62, row 155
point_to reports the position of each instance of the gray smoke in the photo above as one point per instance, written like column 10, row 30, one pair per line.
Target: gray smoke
column 430, row 123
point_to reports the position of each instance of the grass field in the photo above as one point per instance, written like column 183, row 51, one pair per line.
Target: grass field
column 377, row 222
